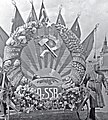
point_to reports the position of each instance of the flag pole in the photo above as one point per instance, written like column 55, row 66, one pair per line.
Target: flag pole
column 95, row 37
column 15, row 7
column 96, row 26
column 78, row 15
column 7, row 94
column 3, row 82
column 60, row 8
column 31, row 1
column 14, row 3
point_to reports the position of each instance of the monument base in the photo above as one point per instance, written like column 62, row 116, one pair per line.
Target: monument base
column 46, row 115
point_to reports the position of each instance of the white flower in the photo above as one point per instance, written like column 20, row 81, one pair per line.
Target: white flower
column 17, row 62
column 22, row 39
column 10, row 41
column 7, row 63
column 20, row 30
column 34, row 30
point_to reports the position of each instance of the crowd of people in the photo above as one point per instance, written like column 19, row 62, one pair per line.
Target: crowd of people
column 26, row 99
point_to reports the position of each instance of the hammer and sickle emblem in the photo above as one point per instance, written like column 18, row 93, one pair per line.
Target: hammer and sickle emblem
column 44, row 41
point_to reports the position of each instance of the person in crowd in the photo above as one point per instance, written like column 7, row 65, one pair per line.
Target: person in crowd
column 3, row 92
column 96, row 79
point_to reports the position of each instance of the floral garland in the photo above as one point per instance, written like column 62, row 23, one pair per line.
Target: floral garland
column 12, row 51
column 72, row 42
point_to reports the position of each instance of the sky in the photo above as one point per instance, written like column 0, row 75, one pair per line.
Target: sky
column 92, row 12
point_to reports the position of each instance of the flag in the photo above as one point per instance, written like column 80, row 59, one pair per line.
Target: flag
column 88, row 44
column 17, row 21
column 43, row 18
column 32, row 15
column 60, row 19
column 3, row 38
column 76, row 28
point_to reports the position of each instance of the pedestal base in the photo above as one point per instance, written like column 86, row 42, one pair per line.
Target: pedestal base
column 46, row 115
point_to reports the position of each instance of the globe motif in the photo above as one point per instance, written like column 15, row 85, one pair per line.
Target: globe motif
column 46, row 65
column 43, row 50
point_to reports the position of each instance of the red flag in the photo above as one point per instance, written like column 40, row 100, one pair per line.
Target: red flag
column 60, row 19
column 43, row 16
column 17, row 21
column 32, row 15
column 76, row 28
column 88, row 44
column 3, row 37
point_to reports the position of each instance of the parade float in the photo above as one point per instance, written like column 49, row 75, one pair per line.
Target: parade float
column 48, row 50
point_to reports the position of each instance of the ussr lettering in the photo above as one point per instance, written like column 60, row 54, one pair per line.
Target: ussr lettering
column 47, row 93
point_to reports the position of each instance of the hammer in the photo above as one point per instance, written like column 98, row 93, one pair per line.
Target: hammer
column 44, row 42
